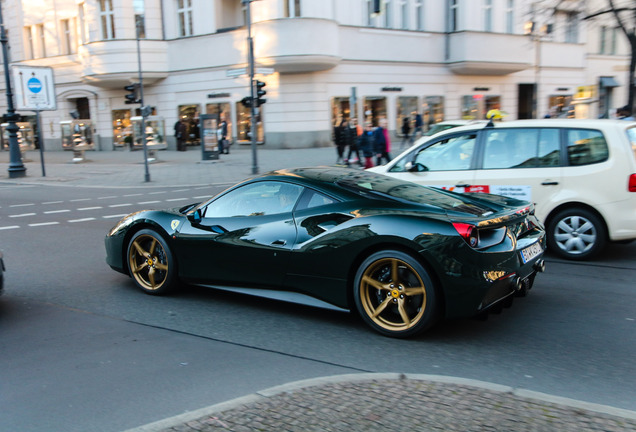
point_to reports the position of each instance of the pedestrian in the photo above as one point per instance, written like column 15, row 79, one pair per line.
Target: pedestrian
column 180, row 134
column 419, row 123
column 382, row 142
column 224, row 144
column 354, row 139
column 625, row 113
column 340, row 140
column 406, row 131
column 366, row 144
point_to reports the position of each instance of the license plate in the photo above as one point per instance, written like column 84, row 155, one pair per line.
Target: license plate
column 531, row 252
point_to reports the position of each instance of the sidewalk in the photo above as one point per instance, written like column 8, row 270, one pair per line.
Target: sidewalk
column 123, row 168
column 395, row 402
column 360, row 402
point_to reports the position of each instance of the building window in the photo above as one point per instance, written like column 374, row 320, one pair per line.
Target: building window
column 41, row 40
column 140, row 18
column 453, row 15
column 487, row 5
column 388, row 17
column 81, row 23
column 190, row 116
column 244, row 124
column 341, row 110
column 510, row 16
column 370, row 14
column 432, row 110
column 476, row 107
column 184, row 13
column 67, row 37
column 291, row 8
column 419, row 14
column 374, row 109
column 107, row 19
column 28, row 37
column 572, row 28
column 607, row 40
column 406, row 109
column 404, row 15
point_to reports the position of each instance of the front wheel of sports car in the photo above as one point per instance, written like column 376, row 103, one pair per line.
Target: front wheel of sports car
column 150, row 263
column 394, row 294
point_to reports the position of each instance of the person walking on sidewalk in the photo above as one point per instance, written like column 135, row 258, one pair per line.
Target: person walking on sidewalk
column 180, row 134
column 340, row 140
column 382, row 142
column 367, row 144
column 354, row 140
column 406, row 131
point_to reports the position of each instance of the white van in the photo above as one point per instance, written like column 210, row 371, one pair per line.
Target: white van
column 581, row 174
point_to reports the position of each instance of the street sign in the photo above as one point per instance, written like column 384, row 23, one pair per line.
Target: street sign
column 264, row 70
column 34, row 88
column 236, row 72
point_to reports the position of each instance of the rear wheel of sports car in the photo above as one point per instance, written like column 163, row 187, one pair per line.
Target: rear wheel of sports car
column 150, row 262
column 394, row 294
column 576, row 234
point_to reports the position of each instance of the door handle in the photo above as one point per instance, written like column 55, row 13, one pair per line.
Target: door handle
column 549, row 183
column 279, row 242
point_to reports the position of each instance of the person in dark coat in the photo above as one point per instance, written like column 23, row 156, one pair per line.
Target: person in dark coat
column 406, row 130
column 224, row 145
column 367, row 144
column 180, row 134
column 354, row 137
column 340, row 139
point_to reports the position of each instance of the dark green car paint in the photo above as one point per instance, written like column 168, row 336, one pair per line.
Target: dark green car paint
column 316, row 251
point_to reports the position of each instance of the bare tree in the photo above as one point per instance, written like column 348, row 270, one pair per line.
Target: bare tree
column 625, row 17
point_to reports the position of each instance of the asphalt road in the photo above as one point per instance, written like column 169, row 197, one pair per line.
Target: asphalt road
column 83, row 350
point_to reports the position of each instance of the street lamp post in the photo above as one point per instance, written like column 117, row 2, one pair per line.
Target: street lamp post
column 16, row 167
column 250, row 60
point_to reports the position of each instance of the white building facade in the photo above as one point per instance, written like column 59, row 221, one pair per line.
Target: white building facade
column 332, row 59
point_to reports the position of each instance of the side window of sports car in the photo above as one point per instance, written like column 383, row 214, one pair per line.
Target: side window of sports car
column 255, row 199
column 450, row 154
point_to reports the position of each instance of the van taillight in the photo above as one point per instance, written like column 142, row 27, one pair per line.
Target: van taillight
column 632, row 183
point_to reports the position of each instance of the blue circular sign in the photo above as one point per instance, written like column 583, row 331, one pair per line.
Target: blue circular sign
column 35, row 85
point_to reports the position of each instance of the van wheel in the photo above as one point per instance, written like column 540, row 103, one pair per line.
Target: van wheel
column 576, row 234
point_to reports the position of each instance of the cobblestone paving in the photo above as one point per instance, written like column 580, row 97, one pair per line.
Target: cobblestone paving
column 404, row 405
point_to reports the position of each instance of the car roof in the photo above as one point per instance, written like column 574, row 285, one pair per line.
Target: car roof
column 547, row 123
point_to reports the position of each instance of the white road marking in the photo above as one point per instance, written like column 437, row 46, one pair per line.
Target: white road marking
column 181, row 190
column 115, row 216
column 89, row 208
column 81, row 220
column 132, row 195
column 43, row 224
column 107, row 197
column 120, row 205
column 148, row 202
column 52, row 202
column 201, row 197
column 176, row 199
column 81, row 199
column 56, row 211
column 21, row 205
column 22, row 215
column 157, row 192
column 9, row 227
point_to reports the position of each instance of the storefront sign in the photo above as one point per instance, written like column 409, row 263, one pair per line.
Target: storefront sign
column 391, row 89
column 218, row 95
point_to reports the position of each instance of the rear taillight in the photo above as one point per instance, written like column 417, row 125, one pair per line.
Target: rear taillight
column 468, row 232
column 631, row 186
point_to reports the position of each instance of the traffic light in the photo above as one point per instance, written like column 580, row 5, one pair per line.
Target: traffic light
column 260, row 93
column 247, row 102
column 377, row 6
column 133, row 93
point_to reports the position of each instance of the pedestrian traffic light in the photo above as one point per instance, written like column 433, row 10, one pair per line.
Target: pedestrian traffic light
column 377, row 6
column 260, row 93
column 247, row 102
column 133, row 93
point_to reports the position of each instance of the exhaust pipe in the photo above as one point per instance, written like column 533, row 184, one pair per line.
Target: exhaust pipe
column 517, row 285
column 539, row 266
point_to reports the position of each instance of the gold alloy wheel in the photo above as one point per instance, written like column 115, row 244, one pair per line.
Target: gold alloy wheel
column 148, row 262
column 392, row 294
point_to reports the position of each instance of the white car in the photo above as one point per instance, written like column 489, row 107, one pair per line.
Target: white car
column 580, row 174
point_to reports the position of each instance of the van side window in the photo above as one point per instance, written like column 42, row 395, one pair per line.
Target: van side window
column 586, row 147
column 451, row 154
column 521, row 148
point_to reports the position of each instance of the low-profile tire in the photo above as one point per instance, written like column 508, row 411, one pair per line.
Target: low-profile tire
column 394, row 294
column 576, row 234
column 150, row 263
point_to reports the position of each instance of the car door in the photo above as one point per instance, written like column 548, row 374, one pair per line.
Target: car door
column 523, row 163
column 445, row 162
column 244, row 236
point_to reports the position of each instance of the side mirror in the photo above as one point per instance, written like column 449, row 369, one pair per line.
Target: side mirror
column 195, row 217
column 415, row 167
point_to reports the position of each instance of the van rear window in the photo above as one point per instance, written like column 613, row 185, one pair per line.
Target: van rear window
column 586, row 147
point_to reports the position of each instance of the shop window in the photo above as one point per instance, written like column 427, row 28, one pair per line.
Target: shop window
column 374, row 109
column 476, row 107
column 122, row 130
column 341, row 110
column 406, row 109
column 561, row 106
column 432, row 110
column 244, row 124
column 190, row 113
column 220, row 112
